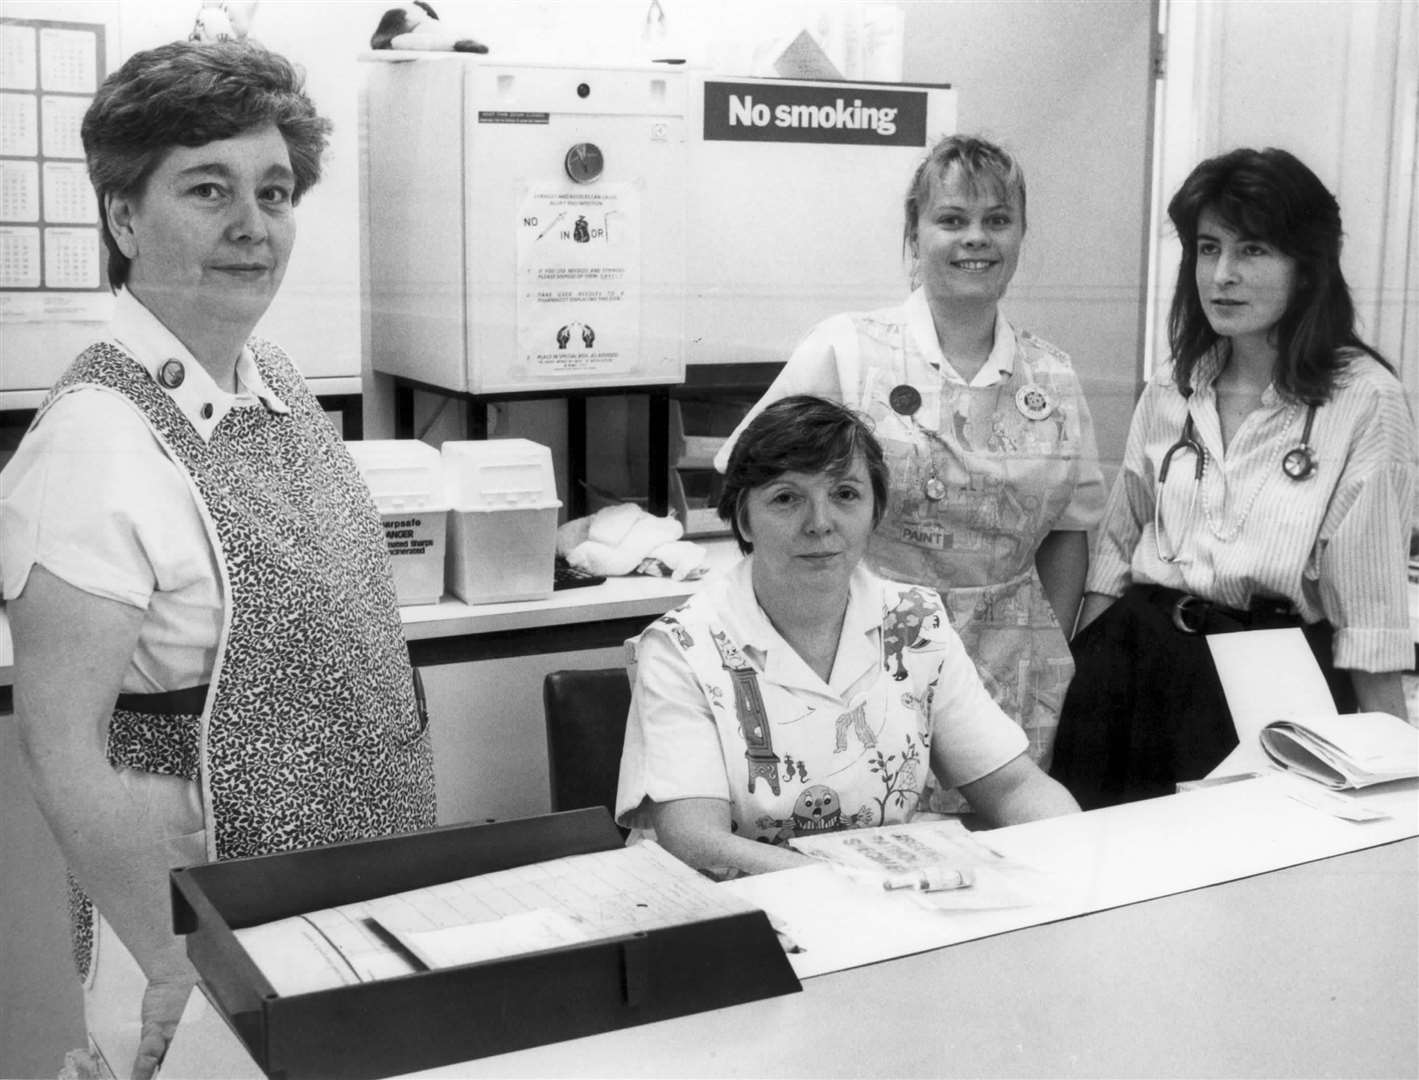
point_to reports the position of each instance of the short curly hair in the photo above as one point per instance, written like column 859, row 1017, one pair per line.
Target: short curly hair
column 189, row 94
column 801, row 433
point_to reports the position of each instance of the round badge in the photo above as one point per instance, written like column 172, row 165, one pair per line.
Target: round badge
column 904, row 400
column 1033, row 402
column 935, row 489
column 171, row 374
column 1299, row 463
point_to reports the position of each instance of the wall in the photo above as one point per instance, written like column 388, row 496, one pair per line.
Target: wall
column 1066, row 87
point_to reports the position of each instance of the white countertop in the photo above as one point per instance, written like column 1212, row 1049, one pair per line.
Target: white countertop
column 616, row 598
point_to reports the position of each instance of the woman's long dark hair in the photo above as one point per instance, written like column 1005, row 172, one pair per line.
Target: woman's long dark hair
column 1269, row 195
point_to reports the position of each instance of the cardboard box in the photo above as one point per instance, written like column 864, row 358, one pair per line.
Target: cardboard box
column 440, row 1017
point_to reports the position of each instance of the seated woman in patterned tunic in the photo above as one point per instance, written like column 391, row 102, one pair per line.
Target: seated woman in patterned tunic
column 800, row 693
column 208, row 656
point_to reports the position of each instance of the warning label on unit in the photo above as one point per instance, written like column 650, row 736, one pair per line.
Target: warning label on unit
column 502, row 116
column 579, row 287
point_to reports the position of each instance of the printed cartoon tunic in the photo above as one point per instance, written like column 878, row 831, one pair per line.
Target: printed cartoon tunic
column 724, row 708
column 980, row 473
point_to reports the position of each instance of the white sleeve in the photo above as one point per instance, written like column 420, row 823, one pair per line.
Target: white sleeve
column 971, row 735
column 672, row 748
column 824, row 365
column 92, row 497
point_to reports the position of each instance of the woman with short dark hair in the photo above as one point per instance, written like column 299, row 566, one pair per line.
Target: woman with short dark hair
column 800, row 693
column 209, row 661
column 1268, row 482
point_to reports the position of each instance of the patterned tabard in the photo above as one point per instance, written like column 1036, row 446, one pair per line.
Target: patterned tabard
column 978, row 479
column 311, row 733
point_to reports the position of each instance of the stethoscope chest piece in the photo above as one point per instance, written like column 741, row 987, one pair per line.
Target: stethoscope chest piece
column 1299, row 463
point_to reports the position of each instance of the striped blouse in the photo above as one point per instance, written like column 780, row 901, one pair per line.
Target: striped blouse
column 1334, row 544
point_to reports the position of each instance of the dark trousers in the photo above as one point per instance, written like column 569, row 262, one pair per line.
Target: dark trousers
column 1145, row 708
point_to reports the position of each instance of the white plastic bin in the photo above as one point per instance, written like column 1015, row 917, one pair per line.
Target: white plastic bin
column 405, row 477
column 502, row 524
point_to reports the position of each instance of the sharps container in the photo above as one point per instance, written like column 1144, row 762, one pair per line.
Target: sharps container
column 502, row 521
column 405, row 476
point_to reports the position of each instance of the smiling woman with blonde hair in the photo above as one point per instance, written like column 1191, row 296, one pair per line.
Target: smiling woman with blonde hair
column 989, row 443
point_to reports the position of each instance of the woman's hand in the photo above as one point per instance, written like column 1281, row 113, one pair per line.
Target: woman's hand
column 163, row 1003
column 1380, row 691
column 697, row 832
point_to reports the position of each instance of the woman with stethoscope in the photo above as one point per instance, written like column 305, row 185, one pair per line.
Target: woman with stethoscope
column 995, row 481
column 1268, row 481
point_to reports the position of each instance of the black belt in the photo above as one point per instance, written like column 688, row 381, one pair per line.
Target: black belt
column 189, row 701
column 1192, row 614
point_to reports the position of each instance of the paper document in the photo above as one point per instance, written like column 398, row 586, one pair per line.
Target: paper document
column 1266, row 675
column 829, row 921
column 937, row 849
column 545, row 905
column 1350, row 751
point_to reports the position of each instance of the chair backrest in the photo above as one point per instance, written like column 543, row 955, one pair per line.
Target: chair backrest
column 586, row 723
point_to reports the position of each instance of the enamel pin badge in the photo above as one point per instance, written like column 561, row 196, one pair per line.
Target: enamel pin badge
column 1034, row 402
column 905, row 400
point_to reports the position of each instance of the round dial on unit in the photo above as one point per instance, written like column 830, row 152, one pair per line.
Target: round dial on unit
column 584, row 162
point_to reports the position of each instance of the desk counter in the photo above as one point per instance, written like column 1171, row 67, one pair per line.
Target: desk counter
column 1309, row 969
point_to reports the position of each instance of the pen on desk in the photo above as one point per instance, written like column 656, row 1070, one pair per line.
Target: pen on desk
column 930, row 879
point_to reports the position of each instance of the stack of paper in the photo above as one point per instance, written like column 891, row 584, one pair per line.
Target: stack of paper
column 1350, row 751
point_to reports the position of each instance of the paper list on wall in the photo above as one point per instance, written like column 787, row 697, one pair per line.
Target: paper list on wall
column 61, row 120
column 19, row 125
column 19, row 257
column 18, row 68
column 578, row 898
column 68, row 197
column 50, row 248
column 68, row 60
column 19, row 191
column 71, row 258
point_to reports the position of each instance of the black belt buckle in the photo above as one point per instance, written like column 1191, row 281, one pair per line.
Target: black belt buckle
column 1188, row 613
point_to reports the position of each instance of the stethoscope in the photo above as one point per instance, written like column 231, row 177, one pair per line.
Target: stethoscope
column 1298, row 463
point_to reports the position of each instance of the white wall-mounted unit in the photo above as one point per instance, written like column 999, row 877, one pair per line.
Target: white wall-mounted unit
column 527, row 223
